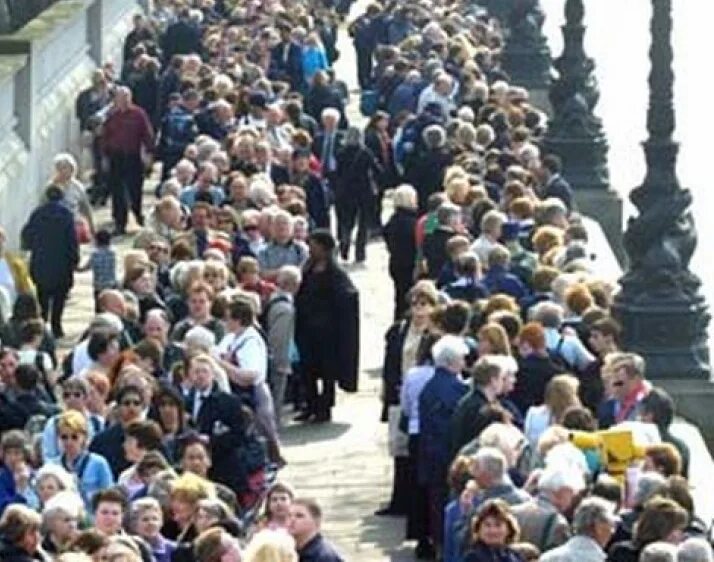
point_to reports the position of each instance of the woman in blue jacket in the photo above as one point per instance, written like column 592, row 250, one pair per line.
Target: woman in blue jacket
column 313, row 57
column 92, row 471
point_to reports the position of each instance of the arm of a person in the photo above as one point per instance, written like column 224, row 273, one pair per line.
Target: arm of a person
column 49, row 440
column 280, row 335
column 85, row 209
column 105, row 476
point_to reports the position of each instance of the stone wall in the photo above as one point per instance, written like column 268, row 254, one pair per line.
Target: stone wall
column 43, row 66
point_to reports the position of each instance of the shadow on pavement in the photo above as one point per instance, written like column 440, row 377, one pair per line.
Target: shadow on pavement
column 301, row 434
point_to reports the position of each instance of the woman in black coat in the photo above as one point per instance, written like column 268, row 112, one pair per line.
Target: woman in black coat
column 400, row 236
column 425, row 167
column 354, row 192
column 50, row 235
column 378, row 140
column 326, row 328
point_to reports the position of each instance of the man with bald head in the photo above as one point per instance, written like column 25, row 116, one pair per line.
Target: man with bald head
column 125, row 133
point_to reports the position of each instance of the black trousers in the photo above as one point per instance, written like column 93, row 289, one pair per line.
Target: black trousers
column 353, row 211
column 318, row 378
column 364, row 68
column 126, row 179
column 418, row 505
column 52, row 301
column 403, row 280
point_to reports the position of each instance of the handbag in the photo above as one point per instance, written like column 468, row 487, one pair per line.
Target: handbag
column 81, row 229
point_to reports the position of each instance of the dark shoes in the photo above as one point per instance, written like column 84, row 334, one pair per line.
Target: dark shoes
column 304, row 416
column 389, row 511
column 425, row 550
column 323, row 417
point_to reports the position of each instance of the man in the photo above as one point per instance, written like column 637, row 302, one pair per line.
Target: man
column 658, row 408
column 286, row 59
column 205, row 187
column 364, row 35
column 629, row 388
column 27, row 400
column 178, row 130
column 327, row 144
column 219, row 416
column 499, row 279
column 543, row 520
column 466, row 423
column 604, row 339
column 14, row 277
column 491, row 229
column 554, row 184
column 441, row 91
column 125, row 133
column 141, row 33
column 109, row 506
column 326, row 328
column 283, row 250
column 315, row 192
column 593, row 526
column 182, row 37
column 267, row 165
column 51, row 237
column 200, row 236
column 437, row 403
column 434, row 248
column 103, row 350
column 200, row 298
column 304, row 526
column 110, row 442
column 278, row 321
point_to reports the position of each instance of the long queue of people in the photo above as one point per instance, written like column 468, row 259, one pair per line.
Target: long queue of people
column 158, row 435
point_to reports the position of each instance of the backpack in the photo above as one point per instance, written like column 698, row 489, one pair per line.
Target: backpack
column 559, row 360
column 179, row 131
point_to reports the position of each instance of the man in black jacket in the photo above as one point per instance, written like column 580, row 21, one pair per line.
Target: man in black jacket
column 182, row 37
column 304, row 525
column 554, row 184
column 286, row 59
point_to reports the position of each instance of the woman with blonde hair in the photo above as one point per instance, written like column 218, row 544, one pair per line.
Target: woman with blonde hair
column 493, row 340
column 561, row 393
column 271, row 546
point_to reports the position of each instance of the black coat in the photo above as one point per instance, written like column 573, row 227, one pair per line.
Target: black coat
column 466, row 420
column 319, row 550
column 50, row 235
column 392, row 370
column 625, row 551
column 356, row 170
column 327, row 324
column 534, row 373
column 425, row 171
column 400, row 236
column 181, row 38
column 434, row 250
column 482, row 553
column 287, row 70
column 322, row 97
column 560, row 188
column 11, row 553
column 221, row 418
column 110, row 444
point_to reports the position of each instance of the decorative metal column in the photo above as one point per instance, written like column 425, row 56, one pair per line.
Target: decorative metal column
column 526, row 56
column 661, row 309
column 574, row 132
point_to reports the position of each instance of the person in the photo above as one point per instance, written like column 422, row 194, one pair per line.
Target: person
column 629, row 388
column 437, row 403
column 399, row 235
column 593, row 525
column 304, row 526
column 695, row 549
column 493, row 530
column 278, row 500
column 60, row 517
column 91, row 470
column 216, row 544
column 283, row 249
column 354, row 189
column 553, row 183
column 50, row 236
column 146, row 519
column 658, row 408
column 433, row 249
column 20, row 537
column 561, row 393
column 326, row 328
column 102, row 263
column 125, row 133
column 14, row 277
column 271, row 546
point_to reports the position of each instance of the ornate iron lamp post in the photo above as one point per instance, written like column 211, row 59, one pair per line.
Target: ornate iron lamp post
column 663, row 314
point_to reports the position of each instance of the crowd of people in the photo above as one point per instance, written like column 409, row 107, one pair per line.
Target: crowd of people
column 520, row 429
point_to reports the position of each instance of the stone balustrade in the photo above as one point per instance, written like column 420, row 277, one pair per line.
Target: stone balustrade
column 43, row 67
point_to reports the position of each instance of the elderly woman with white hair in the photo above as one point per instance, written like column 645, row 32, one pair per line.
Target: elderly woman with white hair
column 75, row 197
column 355, row 189
column 61, row 517
column 695, row 549
column 437, row 403
column 401, row 245
column 593, row 524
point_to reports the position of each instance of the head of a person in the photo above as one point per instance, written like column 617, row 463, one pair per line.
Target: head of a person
column 72, row 432
column 201, row 215
column 695, row 549
column 659, row 551
column 61, row 515
column 594, row 518
column 494, row 525
column 109, row 506
column 658, row 408
column 322, row 245
column 282, row 227
column 21, row 526
column 122, row 548
column 146, row 518
column 103, row 348
column 278, row 502
column 561, row 393
column 550, row 166
column 241, row 315
column 141, row 436
column 605, row 335
column 217, row 545
column 449, row 215
column 488, row 467
column 9, row 361
column 560, row 484
column 626, row 372
column 449, row 353
column 186, row 491
column 131, row 401
column 330, row 118
column 662, row 519
column 52, row 479
column 493, row 339
column 487, row 373
column 156, row 325
column 663, row 458
column 92, row 543
column 209, row 512
column 423, row 297
column 202, row 370
column 305, row 520
column 492, row 224
column 122, row 97
column 549, row 314
column 531, row 340
column 65, row 167
column 275, row 546
column 195, row 455
column 200, row 297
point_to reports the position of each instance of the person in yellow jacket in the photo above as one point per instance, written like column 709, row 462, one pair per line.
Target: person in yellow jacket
column 14, row 276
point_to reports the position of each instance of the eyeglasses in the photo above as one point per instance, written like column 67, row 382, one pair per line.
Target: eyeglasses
column 130, row 403
column 70, row 436
column 250, row 227
column 618, row 383
column 67, row 395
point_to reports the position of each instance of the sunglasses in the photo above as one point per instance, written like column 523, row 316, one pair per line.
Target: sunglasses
column 159, row 249
column 67, row 395
column 70, row 436
column 130, row 403
column 250, row 227
column 618, row 383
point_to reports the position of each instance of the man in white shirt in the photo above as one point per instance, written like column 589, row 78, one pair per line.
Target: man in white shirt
column 491, row 226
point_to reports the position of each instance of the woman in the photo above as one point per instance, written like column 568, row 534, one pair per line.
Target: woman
column 271, row 546
column 493, row 530
column 354, row 192
column 401, row 245
column 50, row 480
column 75, row 197
column 91, row 470
column 170, row 412
column 662, row 520
column 313, row 57
column 141, row 281
column 146, row 520
column 326, row 328
column 26, row 308
column 277, row 507
column 210, row 512
column 20, row 534
column 493, row 340
column 561, row 393
column 60, row 520
column 378, row 140
column 186, row 492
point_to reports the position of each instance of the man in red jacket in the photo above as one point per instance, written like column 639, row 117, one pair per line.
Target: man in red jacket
column 125, row 132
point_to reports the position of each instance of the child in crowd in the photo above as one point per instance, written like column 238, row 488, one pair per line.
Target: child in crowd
column 102, row 263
